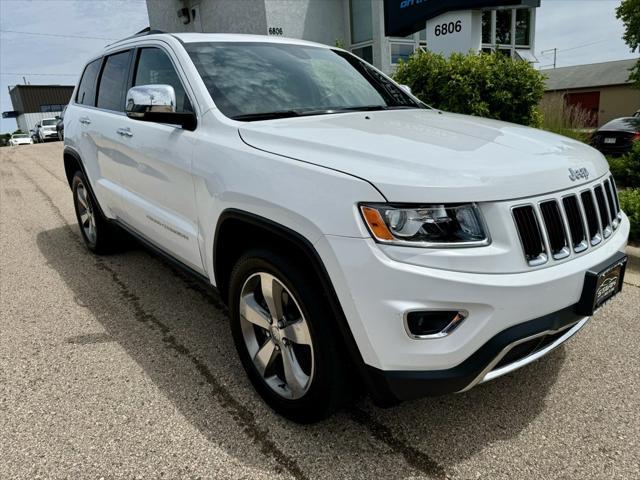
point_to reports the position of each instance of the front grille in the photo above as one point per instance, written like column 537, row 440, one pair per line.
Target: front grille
column 553, row 228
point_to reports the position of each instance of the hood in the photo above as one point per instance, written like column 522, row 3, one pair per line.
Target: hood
column 431, row 156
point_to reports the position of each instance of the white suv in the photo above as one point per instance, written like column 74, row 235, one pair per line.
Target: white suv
column 46, row 129
column 359, row 237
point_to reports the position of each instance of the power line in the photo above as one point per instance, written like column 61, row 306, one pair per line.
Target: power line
column 57, row 35
column 584, row 45
column 42, row 74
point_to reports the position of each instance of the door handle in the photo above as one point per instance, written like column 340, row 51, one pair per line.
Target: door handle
column 84, row 120
column 125, row 132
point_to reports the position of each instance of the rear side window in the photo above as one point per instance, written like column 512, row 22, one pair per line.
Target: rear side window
column 155, row 68
column 113, row 81
column 87, row 88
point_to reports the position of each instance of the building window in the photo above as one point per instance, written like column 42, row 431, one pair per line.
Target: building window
column 365, row 53
column 361, row 21
column 401, row 51
column 503, row 27
column 51, row 108
column 523, row 27
column 504, row 31
column 487, row 25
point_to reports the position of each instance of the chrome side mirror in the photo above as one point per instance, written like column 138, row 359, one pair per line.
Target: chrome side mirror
column 150, row 98
column 407, row 89
column 157, row 103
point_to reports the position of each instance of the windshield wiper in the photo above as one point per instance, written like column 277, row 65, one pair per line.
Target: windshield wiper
column 304, row 113
column 267, row 115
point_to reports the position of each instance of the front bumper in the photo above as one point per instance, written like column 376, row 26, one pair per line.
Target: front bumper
column 375, row 291
column 509, row 350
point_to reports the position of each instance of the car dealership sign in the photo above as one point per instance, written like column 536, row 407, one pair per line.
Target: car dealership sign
column 404, row 17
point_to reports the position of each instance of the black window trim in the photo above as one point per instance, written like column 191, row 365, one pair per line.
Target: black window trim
column 95, row 83
column 134, row 48
column 131, row 51
column 134, row 71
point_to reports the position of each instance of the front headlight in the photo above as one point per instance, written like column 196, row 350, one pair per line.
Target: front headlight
column 426, row 225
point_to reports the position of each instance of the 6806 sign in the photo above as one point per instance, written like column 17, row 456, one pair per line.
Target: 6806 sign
column 447, row 28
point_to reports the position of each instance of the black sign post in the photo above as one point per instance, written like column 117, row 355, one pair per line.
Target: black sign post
column 404, row 17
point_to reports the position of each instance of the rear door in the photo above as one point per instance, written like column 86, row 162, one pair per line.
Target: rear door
column 85, row 126
column 105, row 119
column 156, row 163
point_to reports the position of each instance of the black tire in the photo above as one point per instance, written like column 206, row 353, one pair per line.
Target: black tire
column 328, row 389
column 107, row 237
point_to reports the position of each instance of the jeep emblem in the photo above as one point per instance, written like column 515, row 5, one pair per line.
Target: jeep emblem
column 578, row 173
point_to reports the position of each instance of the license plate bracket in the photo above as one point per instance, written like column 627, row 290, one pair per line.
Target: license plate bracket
column 601, row 283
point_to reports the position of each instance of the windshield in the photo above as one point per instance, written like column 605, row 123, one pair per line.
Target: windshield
column 20, row 135
column 47, row 123
column 257, row 81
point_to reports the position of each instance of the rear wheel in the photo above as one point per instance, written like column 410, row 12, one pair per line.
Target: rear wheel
column 99, row 235
column 282, row 331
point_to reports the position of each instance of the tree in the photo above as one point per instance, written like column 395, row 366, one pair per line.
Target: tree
column 629, row 13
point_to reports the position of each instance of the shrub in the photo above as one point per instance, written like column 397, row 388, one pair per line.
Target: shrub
column 630, row 204
column 486, row 85
column 568, row 120
column 626, row 169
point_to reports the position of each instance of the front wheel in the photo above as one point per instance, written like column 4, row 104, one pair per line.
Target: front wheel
column 282, row 330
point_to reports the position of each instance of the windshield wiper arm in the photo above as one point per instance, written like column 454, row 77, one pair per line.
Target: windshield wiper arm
column 267, row 115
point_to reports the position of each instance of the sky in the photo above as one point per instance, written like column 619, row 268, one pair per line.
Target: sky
column 584, row 31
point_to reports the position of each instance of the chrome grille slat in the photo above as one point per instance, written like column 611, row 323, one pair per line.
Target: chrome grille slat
column 575, row 219
column 530, row 235
column 603, row 211
column 591, row 214
column 556, row 228
column 558, row 245
column 611, row 201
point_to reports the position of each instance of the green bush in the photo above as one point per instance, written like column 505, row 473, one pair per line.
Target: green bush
column 486, row 85
column 626, row 169
column 630, row 204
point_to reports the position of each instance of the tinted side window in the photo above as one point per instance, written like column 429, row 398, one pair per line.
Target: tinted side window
column 113, row 80
column 155, row 68
column 87, row 88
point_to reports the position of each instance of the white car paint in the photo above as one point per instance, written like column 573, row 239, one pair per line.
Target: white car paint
column 309, row 175
column 20, row 139
column 46, row 129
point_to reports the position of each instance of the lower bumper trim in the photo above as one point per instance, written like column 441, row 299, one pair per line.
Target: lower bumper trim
column 389, row 387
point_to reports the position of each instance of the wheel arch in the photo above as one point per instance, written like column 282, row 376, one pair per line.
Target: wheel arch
column 231, row 239
column 73, row 163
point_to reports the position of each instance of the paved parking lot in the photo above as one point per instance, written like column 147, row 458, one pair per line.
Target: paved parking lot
column 123, row 367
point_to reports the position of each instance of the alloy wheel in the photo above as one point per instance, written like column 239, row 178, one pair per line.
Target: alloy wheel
column 85, row 213
column 276, row 335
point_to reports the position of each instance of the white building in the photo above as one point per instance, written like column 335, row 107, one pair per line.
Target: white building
column 359, row 25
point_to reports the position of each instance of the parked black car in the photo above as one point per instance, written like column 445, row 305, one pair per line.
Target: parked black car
column 60, row 125
column 34, row 134
column 618, row 136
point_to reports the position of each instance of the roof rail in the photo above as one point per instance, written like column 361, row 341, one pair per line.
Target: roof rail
column 141, row 33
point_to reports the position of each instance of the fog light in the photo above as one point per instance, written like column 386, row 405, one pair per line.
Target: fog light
column 433, row 324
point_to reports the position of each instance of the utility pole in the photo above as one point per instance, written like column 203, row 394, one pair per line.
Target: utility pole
column 555, row 55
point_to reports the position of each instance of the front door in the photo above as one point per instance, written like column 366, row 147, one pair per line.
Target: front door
column 158, row 198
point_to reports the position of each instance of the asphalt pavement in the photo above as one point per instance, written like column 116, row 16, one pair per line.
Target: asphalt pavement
column 122, row 367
